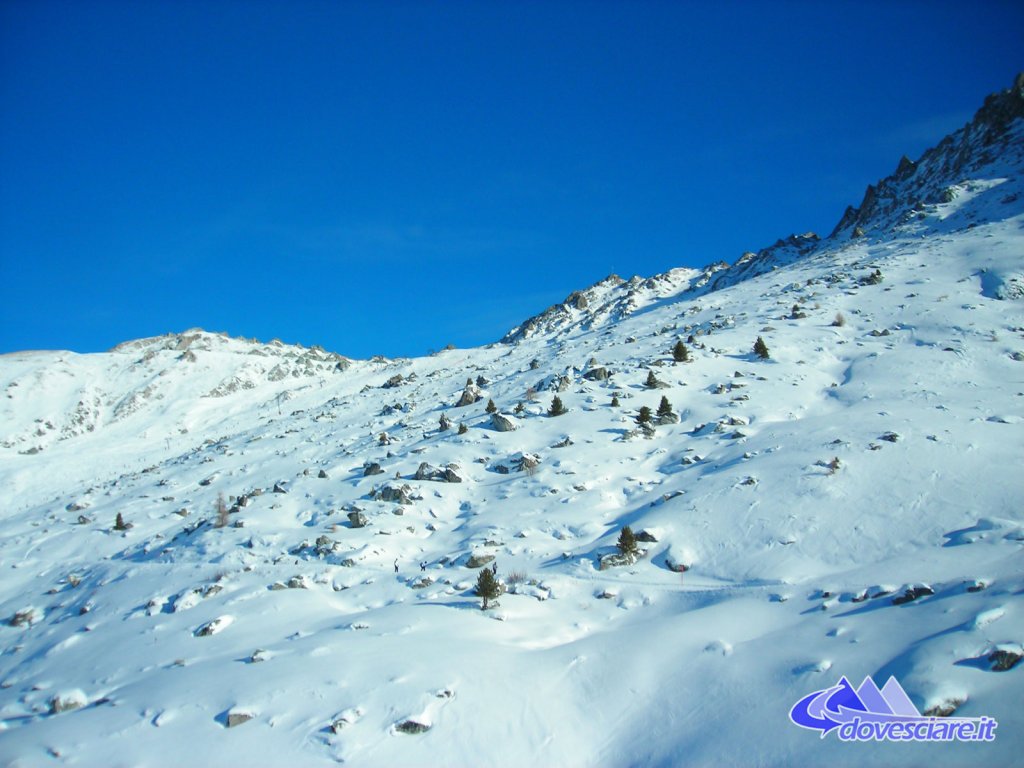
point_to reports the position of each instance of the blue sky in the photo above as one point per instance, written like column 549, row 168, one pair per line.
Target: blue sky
column 388, row 178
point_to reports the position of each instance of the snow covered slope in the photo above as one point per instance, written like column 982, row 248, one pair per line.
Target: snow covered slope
column 876, row 452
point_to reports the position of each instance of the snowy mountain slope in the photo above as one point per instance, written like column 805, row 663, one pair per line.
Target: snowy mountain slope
column 174, row 629
column 54, row 396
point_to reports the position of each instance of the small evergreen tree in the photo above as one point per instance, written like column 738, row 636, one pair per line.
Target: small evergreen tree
column 615, row 401
column 627, row 541
column 665, row 407
column 491, row 407
column 645, row 416
column 119, row 524
column 680, row 353
column 487, row 586
column 444, row 424
column 761, row 349
column 652, row 380
column 463, row 429
column 519, row 409
column 557, row 409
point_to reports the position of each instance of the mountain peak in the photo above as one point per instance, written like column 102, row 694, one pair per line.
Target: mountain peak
column 990, row 139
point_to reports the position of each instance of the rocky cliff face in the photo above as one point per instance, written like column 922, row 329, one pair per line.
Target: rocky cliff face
column 611, row 300
column 986, row 146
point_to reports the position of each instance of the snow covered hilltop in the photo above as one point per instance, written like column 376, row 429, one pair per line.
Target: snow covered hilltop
column 221, row 552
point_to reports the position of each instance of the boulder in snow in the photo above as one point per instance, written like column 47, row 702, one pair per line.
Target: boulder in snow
column 503, row 423
column 400, row 495
column 475, row 560
column 412, row 727
column 67, row 701
column 1005, row 657
column 214, row 627
column 238, row 716
column 615, row 560
column 913, row 592
column 470, row 395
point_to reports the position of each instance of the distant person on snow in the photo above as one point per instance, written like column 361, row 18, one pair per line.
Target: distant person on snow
column 396, row 566
column 494, row 568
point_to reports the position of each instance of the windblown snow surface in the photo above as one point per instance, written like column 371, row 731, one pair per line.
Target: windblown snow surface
column 141, row 647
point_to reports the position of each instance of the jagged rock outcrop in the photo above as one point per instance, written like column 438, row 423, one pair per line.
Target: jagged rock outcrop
column 914, row 186
column 520, row 462
column 447, row 474
column 400, row 495
column 471, row 394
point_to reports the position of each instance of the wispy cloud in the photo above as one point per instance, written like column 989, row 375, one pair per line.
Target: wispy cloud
column 919, row 135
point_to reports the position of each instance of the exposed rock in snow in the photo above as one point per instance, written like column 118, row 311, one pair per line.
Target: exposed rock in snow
column 236, row 717
column 214, row 627
column 503, row 423
column 476, row 560
column 67, row 701
column 1005, row 657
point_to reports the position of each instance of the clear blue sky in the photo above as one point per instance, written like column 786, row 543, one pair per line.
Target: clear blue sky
column 388, row 178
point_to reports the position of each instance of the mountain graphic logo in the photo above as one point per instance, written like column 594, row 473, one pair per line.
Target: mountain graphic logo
column 870, row 713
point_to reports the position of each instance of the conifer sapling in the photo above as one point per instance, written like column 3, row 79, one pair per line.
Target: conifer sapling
column 680, row 353
column 487, row 586
column 761, row 349
column 627, row 541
